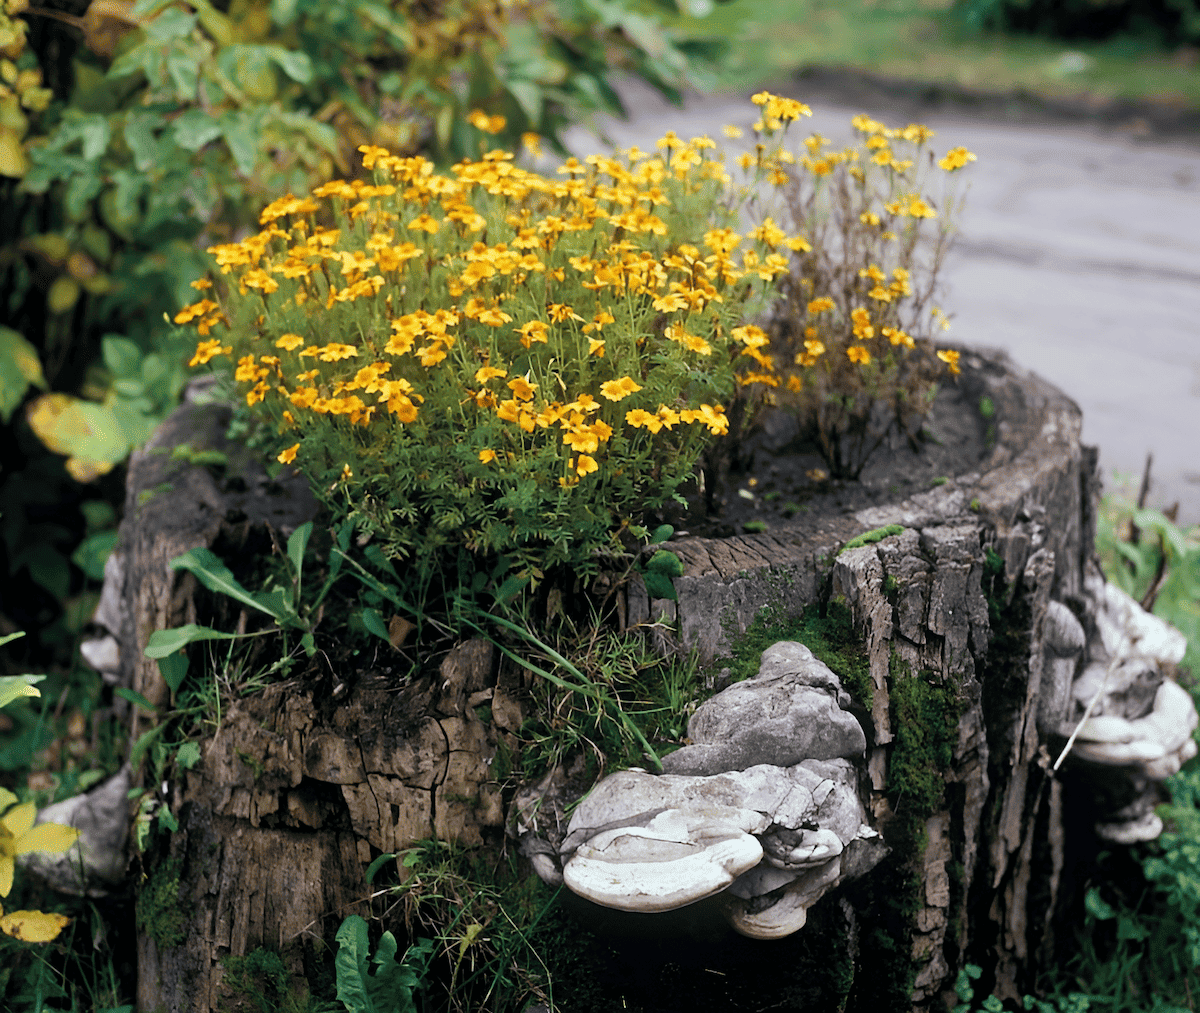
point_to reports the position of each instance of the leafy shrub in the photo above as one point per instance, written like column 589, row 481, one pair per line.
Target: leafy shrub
column 1170, row 22
column 492, row 361
column 850, row 343
column 130, row 132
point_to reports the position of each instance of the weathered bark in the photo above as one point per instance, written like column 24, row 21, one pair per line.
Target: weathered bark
column 991, row 867
column 297, row 790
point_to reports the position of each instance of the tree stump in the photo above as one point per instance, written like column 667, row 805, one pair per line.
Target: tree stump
column 301, row 785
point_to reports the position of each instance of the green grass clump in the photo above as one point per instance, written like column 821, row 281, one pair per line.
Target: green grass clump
column 828, row 633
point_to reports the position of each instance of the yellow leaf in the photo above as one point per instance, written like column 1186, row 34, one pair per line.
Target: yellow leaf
column 48, row 837
column 88, row 433
column 83, row 470
column 12, row 156
column 33, row 926
column 63, row 294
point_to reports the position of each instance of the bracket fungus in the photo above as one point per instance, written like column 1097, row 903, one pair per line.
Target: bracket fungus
column 762, row 808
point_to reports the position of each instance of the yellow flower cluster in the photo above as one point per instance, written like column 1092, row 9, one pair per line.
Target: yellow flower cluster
column 539, row 301
column 870, row 298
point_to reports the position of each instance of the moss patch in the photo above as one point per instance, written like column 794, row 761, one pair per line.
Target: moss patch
column 870, row 537
column 158, row 910
column 828, row 633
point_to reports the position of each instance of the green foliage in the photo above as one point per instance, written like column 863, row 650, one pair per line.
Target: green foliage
column 1146, row 555
column 390, row 988
column 1167, row 22
column 482, row 912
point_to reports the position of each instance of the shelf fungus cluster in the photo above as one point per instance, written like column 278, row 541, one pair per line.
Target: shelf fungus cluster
column 762, row 808
column 1132, row 723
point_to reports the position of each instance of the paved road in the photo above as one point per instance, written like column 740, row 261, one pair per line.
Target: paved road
column 1079, row 254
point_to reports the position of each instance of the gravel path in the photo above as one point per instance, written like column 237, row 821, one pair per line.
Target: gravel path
column 1079, row 254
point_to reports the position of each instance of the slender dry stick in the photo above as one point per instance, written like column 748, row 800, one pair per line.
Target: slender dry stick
column 1087, row 713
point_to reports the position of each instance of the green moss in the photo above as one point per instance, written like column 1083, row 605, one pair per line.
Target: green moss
column 869, row 537
column 828, row 633
column 925, row 714
column 158, row 911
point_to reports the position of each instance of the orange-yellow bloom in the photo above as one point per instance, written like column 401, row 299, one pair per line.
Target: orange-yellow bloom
column 289, row 455
column 856, row 353
column 615, row 390
column 950, row 357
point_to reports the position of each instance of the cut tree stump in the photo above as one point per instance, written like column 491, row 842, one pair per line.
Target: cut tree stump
column 300, row 786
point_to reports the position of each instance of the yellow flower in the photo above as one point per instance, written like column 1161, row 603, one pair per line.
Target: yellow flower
column 289, row 455
column 585, row 465
column 18, row 836
column 289, row 342
column 485, row 373
column 32, row 926
column 615, row 390
column 487, row 456
column 732, row 132
column 956, row 158
column 596, row 348
column 532, row 143
column 856, row 353
column 488, row 124
column 425, row 223
column 347, row 474
column 334, row 352
column 534, row 330
column 207, row 350
column 522, row 388
column 692, row 342
column 820, row 305
column 639, row 418
column 950, row 357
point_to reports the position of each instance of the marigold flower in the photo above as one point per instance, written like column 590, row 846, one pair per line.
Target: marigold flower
column 485, row 373
column 856, row 353
column 692, row 342
column 335, row 352
column 639, row 418
column 585, row 465
column 487, row 456
column 821, row 304
column 615, row 390
column 534, row 330
column 207, row 350
column 596, row 348
column 950, row 357
column 522, row 388
column 424, row 223
column 289, row 455
column 955, row 158
column 289, row 342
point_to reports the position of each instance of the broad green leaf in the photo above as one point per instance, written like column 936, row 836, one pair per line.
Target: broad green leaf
column 20, row 368
column 172, row 23
column 188, row 755
column 216, row 576
column 241, row 135
column 173, row 668
column 295, row 63
column 136, row 698
column 122, row 356
column 666, row 563
column 659, row 586
column 165, row 642
column 661, row 534
column 13, row 687
column 374, row 623
column 351, row 965
column 194, row 129
column 93, row 553
column 185, row 74
column 140, row 127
